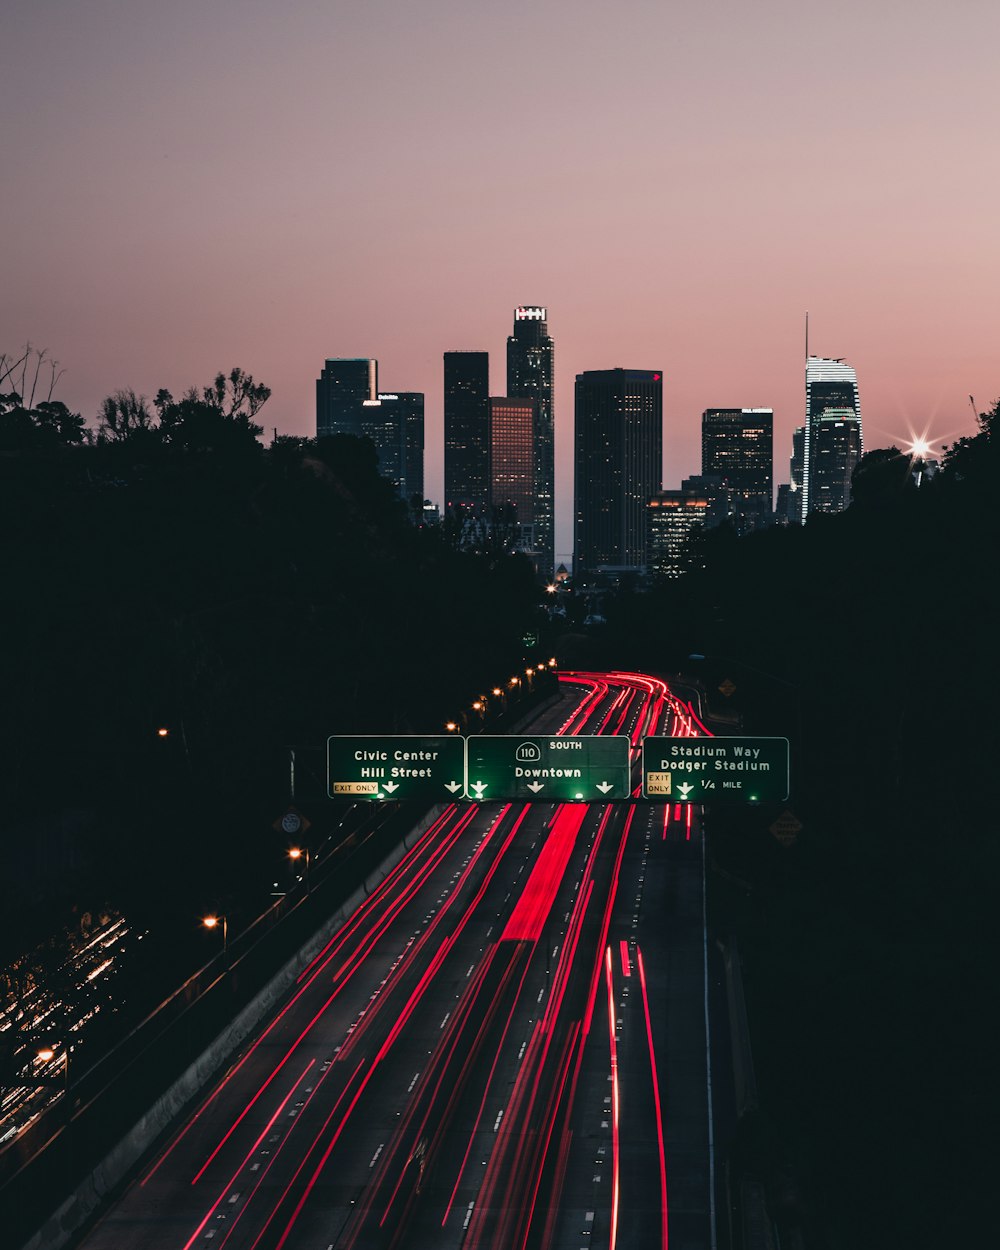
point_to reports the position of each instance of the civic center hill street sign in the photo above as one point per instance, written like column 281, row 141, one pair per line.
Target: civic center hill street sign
column 589, row 769
column 709, row 770
column 395, row 768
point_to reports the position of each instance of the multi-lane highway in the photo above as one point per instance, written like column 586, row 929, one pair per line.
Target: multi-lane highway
column 504, row 1047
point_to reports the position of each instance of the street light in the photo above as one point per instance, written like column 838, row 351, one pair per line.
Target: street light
column 212, row 922
column 451, row 727
column 46, row 1054
column 295, row 853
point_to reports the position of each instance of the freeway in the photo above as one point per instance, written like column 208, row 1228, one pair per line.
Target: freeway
column 504, row 1046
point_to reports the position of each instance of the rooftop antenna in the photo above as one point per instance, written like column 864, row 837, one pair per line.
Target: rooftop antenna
column 975, row 411
column 807, row 337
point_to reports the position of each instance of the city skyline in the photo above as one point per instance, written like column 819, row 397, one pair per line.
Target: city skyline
column 299, row 198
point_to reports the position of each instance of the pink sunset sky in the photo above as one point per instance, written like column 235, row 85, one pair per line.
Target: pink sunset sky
column 208, row 183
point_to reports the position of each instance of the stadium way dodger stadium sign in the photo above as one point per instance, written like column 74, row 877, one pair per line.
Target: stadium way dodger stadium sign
column 708, row 770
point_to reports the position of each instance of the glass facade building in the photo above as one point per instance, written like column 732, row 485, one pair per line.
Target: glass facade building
column 618, row 459
column 341, row 390
column 531, row 373
column 737, row 444
column 513, row 498
column 673, row 517
column 831, row 385
column 395, row 424
column 466, row 430
column 836, row 449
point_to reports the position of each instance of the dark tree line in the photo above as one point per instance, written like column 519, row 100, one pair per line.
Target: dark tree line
column 172, row 573
column 871, row 639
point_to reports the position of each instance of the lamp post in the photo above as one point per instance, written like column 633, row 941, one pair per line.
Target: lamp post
column 295, row 853
column 46, row 1054
column 213, row 922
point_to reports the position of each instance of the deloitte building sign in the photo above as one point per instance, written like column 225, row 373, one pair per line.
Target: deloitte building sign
column 707, row 770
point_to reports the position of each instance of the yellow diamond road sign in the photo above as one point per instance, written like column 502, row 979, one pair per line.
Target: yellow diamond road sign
column 787, row 828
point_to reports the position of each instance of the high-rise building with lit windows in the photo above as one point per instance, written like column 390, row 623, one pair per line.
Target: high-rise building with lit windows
column 673, row 519
column 737, row 444
column 835, row 451
column 618, row 443
column 466, row 430
column 395, row 424
column 831, row 387
column 341, row 390
column 513, row 497
column 531, row 373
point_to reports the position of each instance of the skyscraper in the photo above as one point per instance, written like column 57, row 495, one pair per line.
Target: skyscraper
column 395, row 424
column 531, row 372
column 513, row 499
column 830, row 384
column 836, row 449
column 618, row 441
column 737, row 444
column 341, row 389
column 673, row 516
column 466, row 430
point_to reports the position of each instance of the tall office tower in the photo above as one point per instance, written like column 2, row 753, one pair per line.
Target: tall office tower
column 466, row 430
column 797, row 464
column 618, row 445
column 673, row 517
column 341, row 389
column 530, row 372
column 513, row 500
column 835, row 450
column 412, row 403
column 830, row 384
column 395, row 424
column 737, row 444
column 714, row 491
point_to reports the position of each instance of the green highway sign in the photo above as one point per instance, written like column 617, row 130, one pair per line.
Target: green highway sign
column 590, row 769
column 395, row 767
column 709, row 770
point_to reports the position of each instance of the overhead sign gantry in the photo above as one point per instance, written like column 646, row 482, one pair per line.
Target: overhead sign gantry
column 583, row 768
column 396, row 768
column 708, row 770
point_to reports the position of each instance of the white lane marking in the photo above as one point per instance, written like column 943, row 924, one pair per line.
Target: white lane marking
column 235, row 1198
column 444, row 1021
column 468, row 1214
column 376, row 1154
column 496, row 1124
column 416, row 1077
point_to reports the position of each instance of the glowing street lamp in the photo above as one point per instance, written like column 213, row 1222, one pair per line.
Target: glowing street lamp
column 296, row 853
column 45, row 1054
column 213, row 922
column 451, row 727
